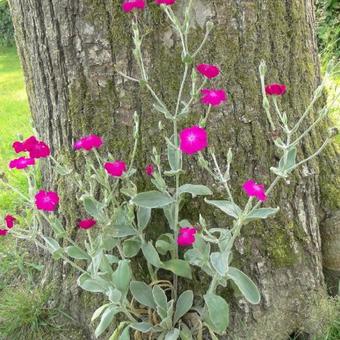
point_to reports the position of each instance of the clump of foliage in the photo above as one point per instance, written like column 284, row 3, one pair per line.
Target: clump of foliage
column 115, row 222
column 25, row 313
column 328, row 28
column 6, row 25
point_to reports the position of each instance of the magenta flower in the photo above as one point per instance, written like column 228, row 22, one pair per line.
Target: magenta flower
column 214, row 97
column 26, row 145
column 3, row 232
column 149, row 169
column 88, row 143
column 46, row 200
column 253, row 189
column 165, row 2
column 193, row 139
column 21, row 163
column 129, row 5
column 87, row 223
column 115, row 169
column 208, row 71
column 10, row 220
column 186, row 236
column 276, row 89
column 39, row 150
column 36, row 148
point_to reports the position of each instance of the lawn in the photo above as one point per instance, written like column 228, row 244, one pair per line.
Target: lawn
column 14, row 121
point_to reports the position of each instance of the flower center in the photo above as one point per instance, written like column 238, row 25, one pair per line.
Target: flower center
column 191, row 138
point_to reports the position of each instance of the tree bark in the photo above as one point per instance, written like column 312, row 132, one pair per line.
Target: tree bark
column 69, row 50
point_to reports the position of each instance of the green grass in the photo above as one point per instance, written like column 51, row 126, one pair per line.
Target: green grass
column 14, row 121
column 25, row 314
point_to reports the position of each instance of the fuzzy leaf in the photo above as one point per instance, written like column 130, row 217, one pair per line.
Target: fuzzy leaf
column 77, row 253
column 178, row 267
column 152, row 199
column 143, row 217
column 219, row 262
column 218, row 312
column 122, row 276
column 151, row 255
column 262, row 213
column 195, row 190
column 143, row 327
column 227, row 207
column 131, row 247
column 245, row 285
column 174, row 155
column 106, row 320
column 183, row 305
column 172, row 335
column 99, row 311
column 142, row 293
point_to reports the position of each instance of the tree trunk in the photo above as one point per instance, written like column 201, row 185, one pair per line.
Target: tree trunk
column 69, row 50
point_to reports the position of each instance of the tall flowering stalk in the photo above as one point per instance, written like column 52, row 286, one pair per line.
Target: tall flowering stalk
column 116, row 222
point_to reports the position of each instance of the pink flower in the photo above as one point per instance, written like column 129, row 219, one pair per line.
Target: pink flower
column 207, row 70
column 25, row 145
column 115, row 169
column 46, row 200
column 129, row 5
column 276, row 89
column 21, row 163
column 149, row 169
column 214, row 97
column 39, row 150
column 88, row 143
column 3, row 232
column 10, row 220
column 193, row 139
column 165, row 2
column 186, row 237
column 87, row 223
column 253, row 189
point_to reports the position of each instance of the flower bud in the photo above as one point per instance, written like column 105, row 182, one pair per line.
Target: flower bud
column 263, row 68
column 210, row 26
column 333, row 132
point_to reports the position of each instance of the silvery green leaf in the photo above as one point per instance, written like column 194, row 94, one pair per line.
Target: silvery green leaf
column 183, row 305
column 185, row 332
column 132, row 246
column 93, row 207
column 167, row 322
column 245, row 285
column 195, row 190
column 143, row 327
column 142, row 293
column 151, row 255
column 112, row 258
column 105, row 265
column 278, row 172
column 96, row 260
column 95, row 286
column 172, row 173
column 125, row 334
column 261, row 213
column 143, row 217
column 172, row 335
column 122, row 276
column 169, row 212
column 114, row 295
column 184, row 223
column 152, row 199
column 178, row 267
column 160, row 298
column 288, row 162
column 57, row 227
column 227, row 207
column 53, row 246
column 108, row 242
column 218, row 312
column 77, row 253
column 174, row 154
column 219, row 262
column 99, row 311
column 121, row 230
column 165, row 243
column 82, row 278
column 106, row 320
